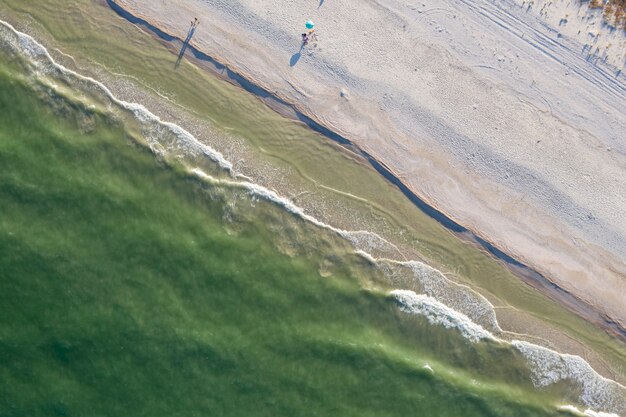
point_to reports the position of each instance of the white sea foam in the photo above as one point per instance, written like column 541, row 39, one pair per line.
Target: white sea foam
column 43, row 62
column 435, row 284
column 440, row 314
column 587, row 413
column 548, row 366
column 359, row 238
column 459, row 296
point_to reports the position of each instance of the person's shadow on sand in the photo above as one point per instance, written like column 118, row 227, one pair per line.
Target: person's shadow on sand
column 320, row 5
column 295, row 58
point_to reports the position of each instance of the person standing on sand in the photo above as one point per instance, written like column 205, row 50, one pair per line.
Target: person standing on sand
column 312, row 36
column 309, row 36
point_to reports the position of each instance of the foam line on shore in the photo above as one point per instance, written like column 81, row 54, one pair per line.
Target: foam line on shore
column 35, row 50
column 435, row 284
column 548, row 366
column 362, row 239
column 358, row 238
column 439, row 314
column 586, row 413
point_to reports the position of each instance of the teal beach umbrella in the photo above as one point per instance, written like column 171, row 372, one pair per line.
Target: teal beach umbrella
column 309, row 24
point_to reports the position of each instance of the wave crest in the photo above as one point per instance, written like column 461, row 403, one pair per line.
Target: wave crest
column 549, row 367
column 440, row 314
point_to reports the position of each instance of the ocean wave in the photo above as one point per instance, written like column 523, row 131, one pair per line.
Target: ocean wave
column 440, row 314
column 43, row 62
column 548, row 366
column 359, row 238
column 586, row 413
column 435, row 284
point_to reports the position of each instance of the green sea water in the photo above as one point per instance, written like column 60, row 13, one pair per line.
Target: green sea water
column 130, row 287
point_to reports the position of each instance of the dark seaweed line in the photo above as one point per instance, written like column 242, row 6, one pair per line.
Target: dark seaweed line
column 529, row 275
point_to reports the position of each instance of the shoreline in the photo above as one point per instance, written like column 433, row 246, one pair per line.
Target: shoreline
column 542, row 181
column 217, row 94
column 530, row 276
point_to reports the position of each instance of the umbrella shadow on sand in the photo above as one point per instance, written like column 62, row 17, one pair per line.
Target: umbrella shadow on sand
column 295, row 58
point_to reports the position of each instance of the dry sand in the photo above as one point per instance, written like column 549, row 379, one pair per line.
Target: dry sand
column 511, row 124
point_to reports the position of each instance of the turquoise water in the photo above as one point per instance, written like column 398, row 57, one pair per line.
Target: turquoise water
column 132, row 287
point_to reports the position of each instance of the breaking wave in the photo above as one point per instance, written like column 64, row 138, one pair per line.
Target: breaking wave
column 434, row 283
column 586, row 413
column 440, row 314
column 549, row 367
column 43, row 63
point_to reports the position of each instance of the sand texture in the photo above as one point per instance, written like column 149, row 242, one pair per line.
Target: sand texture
column 499, row 113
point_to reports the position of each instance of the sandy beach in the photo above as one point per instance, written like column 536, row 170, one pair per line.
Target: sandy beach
column 511, row 124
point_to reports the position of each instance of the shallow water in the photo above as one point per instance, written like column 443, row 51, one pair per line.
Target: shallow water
column 136, row 286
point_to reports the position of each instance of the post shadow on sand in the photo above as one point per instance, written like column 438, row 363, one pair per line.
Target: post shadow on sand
column 192, row 29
